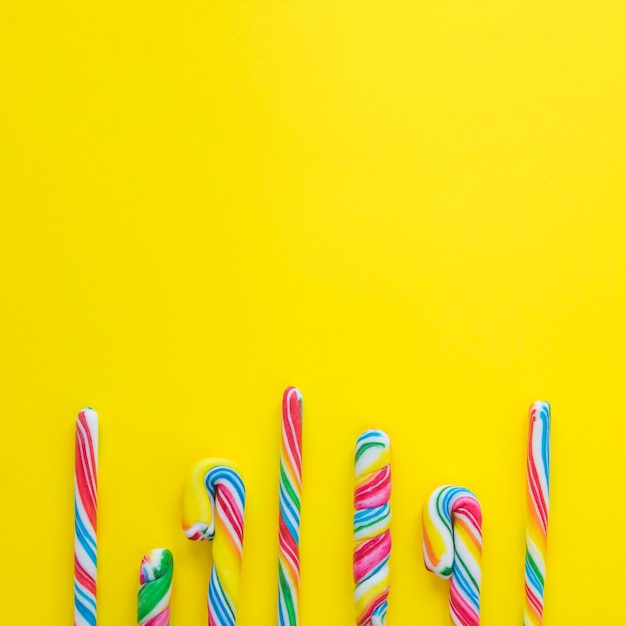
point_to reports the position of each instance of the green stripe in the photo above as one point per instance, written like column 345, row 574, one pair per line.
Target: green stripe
column 466, row 569
column 295, row 498
column 365, row 447
column 444, row 521
column 152, row 593
column 287, row 597
column 534, row 567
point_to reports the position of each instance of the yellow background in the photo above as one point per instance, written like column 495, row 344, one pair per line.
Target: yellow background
column 413, row 210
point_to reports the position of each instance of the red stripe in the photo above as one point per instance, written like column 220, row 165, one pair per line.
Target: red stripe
column 85, row 480
column 287, row 541
column 534, row 482
column 369, row 554
column 470, row 509
column 227, row 503
column 292, row 426
column 375, row 492
column 83, row 578
column 535, row 602
column 461, row 609
column 534, row 486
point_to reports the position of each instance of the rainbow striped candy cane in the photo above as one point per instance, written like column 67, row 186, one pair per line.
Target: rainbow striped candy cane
column 153, row 598
column 213, row 510
column 452, row 543
column 372, row 538
column 290, row 493
column 85, row 517
column 538, row 503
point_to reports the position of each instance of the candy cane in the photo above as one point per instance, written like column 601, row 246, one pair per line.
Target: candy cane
column 153, row 598
column 372, row 538
column 452, row 543
column 213, row 510
column 290, row 493
column 538, row 503
column 85, row 517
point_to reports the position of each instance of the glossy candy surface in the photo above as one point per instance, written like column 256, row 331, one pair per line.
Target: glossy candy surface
column 153, row 598
column 85, row 517
column 213, row 510
column 372, row 537
column 289, row 504
column 452, row 544
column 538, row 504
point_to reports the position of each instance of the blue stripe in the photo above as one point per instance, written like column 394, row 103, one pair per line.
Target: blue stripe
column 86, row 540
column 84, row 595
column 290, row 512
column 371, row 436
column 79, row 522
column 86, row 612
column 364, row 516
column 531, row 575
column 227, row 475
column 464, row 583
column 219, row 602
column 545, row 448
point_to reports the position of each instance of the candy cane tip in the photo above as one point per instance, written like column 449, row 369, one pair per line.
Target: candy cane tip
column 289, row 390
column 155, row 564
column 88, row 412
column 153, row 598
column 158, row 554
column 540, row 404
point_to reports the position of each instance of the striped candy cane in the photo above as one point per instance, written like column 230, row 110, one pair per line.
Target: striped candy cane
column 85, row 517
column 213, row 510
column 153, row 598
column 372, row 538
column 538, row 504
column 290, row 493
column 452, row 543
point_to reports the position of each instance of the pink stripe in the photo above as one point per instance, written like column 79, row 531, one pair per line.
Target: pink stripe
column 292, row 428
column 162, row 619
column 85, row 463
column 375, row 492
column 461, row 609
column 228, row 505
column 369, row 554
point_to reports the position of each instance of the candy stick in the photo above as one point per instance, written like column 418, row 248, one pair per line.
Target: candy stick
column 85, row 517
column 153, row 598
column 289, row 505
column 372, row 538
column 452, row 543
column 213, row 509
column 537, row 499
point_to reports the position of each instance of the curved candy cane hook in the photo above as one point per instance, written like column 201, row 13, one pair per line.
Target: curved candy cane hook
column 213, row 510
column 452, row 543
